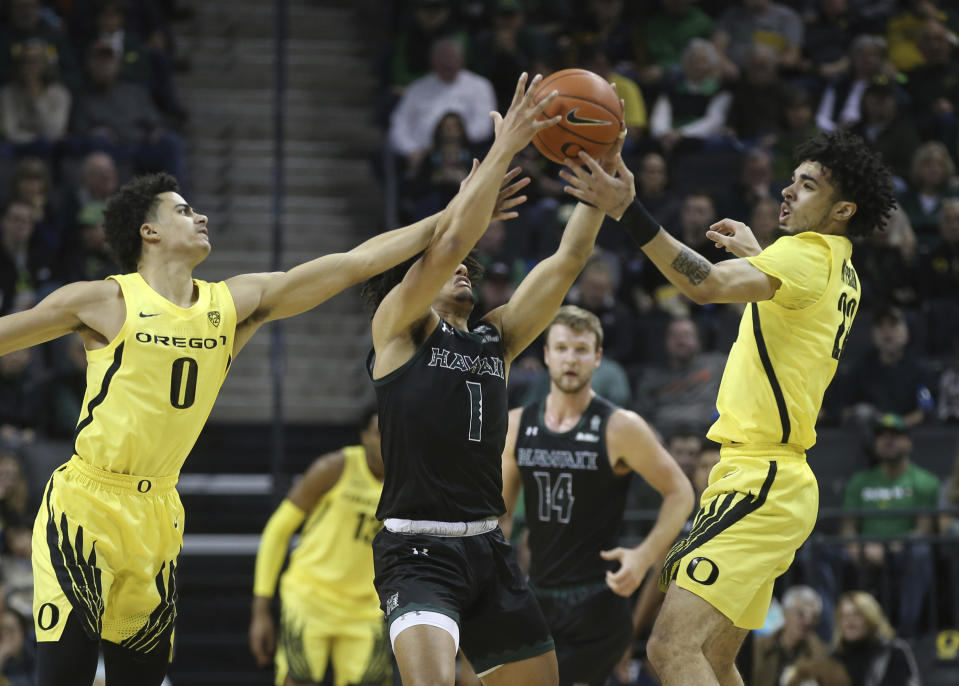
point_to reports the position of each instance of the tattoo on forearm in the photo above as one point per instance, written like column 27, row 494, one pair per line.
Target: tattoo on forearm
column 692, row 265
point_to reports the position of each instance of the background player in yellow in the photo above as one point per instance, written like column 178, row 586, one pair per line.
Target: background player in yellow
column 762, row 498
column 159, row 344
column 329, row 609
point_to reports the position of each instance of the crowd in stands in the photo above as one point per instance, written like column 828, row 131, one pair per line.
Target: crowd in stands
column 718, row 93
column 87, row 99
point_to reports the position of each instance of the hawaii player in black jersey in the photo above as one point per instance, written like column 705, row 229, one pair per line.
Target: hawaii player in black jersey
column 572, row 454
column 443, row 568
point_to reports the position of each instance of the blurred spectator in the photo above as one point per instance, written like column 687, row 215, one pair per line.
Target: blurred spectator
column 99, row 180
column 652, row 189
column 667, row 32
column 890, row 377
column 496, row 287
column 905, row 32
column 707, row 459
column 435, row 177
column 427, row 22
column 798, row 124
column 447, row 88
column 17, row 659
column 35, row 106
column 87, row 255
column 686, row 446
column 14, row 492
column 507, row 50
column 930, row 181
column 120, row 118
column 135, row 31
column 758, row 22
column 605, row 23
column 682, row 393
column 754, row 184
column 66, row 387
column 886, row 129
column 595, row 290
column 939, row 284
column 692, row 105
column 15, row 563
column 949, row 498
column 32, row 184
column 764, row 221
column 894, row 569
column 759, row 99
column 888, row 263
column 867, row 646
column 22, row 402
column 948, row 407
column 934, row 86
column 827, row 37
column 821, row 671
column 23, row 268
column 796, row 639
column 25, row 22
column 841, row 102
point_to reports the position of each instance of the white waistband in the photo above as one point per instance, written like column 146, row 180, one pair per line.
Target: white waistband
column 431, row 528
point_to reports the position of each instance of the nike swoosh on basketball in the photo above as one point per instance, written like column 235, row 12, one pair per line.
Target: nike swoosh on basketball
column 573, row 118
column 157, row 314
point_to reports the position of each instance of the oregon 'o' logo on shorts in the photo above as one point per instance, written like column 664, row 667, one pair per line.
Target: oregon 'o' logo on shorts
column 702, row 570
column 48, row 616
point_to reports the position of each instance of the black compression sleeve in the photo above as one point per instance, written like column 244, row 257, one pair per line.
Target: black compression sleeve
column 639, row 223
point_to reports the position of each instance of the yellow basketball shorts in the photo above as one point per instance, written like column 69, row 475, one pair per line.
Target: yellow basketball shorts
column 753, row 516
column 312, row 635
column 105, row 546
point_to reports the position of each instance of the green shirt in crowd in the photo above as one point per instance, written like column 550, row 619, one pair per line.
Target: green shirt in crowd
column 872, row 489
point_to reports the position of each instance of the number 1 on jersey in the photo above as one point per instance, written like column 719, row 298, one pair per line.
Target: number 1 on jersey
column 476, row 410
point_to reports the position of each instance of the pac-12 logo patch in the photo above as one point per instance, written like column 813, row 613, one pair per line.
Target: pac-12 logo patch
column 702, row 570
column 214, row 317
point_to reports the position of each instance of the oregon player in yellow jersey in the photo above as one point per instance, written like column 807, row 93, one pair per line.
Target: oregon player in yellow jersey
column 330, row 612
column 761, row 501
column 159, row 344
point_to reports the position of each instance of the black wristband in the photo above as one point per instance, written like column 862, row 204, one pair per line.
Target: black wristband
column 639, row 223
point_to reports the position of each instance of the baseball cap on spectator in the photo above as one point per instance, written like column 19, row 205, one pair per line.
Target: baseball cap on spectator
column 888, row 313
column 890, row 422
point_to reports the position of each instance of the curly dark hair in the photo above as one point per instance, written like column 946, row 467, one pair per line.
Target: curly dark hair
column 375, row 288
column 858, row 175
column 126, row 211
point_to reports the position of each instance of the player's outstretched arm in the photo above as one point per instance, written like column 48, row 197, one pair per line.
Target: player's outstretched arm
column 274, row 543
column 94, row 307
column 540, row 294
column 631, row 441
column 512, row 481
column 694, row 275
column 465, row 220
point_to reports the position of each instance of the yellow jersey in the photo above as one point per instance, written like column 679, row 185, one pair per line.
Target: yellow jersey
column 333, row 562
column 788, row 347
column 150, row 391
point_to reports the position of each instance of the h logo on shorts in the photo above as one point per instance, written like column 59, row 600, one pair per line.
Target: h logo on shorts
column 392, row 602
column 702, row 570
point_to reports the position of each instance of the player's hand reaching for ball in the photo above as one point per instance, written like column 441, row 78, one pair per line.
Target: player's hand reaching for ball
column 515, row 130
column 735, row 237
column 634, row 563
column 605, row 183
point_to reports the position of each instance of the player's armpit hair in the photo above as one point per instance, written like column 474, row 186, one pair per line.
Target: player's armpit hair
column 694, row 267
column 857, row 172
column 126, row 212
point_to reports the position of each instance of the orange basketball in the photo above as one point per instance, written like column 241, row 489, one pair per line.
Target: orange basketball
column 591, row 113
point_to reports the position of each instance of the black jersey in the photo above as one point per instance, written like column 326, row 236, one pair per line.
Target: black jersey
column 574, row 501
column 443, row 419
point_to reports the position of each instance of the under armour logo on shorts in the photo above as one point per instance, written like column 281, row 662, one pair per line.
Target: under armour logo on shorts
column 421, row 551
